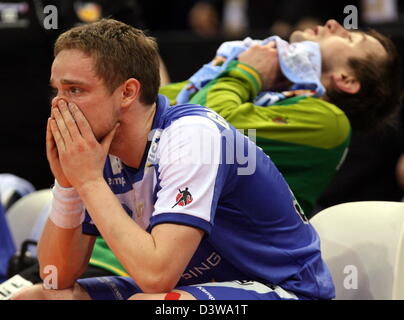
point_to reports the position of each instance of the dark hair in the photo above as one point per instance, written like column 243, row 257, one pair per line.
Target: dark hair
column 119, row 51
column 378, row 100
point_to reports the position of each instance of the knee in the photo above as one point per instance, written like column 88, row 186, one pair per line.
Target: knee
column 143, row 296
column 35, row 292
column 179, row 295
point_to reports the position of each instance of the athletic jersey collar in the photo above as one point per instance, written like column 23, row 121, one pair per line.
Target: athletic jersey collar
column 162, row 104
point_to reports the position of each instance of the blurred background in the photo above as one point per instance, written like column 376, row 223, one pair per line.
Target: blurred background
column 188, row 33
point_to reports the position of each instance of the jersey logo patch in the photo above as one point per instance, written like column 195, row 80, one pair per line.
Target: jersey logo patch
column 116, row 164
column 183, row 198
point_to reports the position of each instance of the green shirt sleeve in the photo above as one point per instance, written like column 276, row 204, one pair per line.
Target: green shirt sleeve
column 172, row 90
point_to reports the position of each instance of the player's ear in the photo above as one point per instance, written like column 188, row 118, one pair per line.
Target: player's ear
column 346, row 82
column 130, row 92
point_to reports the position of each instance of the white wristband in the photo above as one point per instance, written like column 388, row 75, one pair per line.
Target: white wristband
column 67, row 209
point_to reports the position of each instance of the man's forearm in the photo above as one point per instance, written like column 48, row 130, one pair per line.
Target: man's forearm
column 239, row 84
column 135, row 248
column 68, row 250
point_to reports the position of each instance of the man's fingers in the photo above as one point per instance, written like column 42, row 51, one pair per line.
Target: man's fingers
column 55, row 101
column 50, row 142
column 60, row 122
column 60, row 144
column 49, row 137
column 271, row 44
column 69, row 120
column 81, row 121
column 218, row 60
column 271, row 47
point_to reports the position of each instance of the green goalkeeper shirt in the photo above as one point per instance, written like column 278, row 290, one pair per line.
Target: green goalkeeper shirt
column 306, row 137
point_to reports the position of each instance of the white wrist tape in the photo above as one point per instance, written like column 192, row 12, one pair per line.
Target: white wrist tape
column 67, row 209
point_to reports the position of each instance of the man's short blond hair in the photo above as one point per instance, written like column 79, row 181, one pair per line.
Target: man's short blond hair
column 119, row 51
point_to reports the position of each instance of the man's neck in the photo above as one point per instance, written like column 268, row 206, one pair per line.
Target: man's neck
column 131, row 142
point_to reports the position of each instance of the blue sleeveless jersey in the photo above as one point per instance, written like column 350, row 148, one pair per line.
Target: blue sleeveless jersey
column 200, row 171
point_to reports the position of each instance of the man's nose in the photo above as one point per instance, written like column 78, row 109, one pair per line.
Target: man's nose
column 335, row 28
column 56, row 100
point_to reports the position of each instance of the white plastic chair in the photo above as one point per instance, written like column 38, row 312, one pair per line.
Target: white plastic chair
column 363, row 246
column 12, row 188
column 23, row 214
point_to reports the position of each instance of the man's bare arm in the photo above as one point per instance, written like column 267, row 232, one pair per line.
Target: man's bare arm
column 155, row 261
column 66, row 249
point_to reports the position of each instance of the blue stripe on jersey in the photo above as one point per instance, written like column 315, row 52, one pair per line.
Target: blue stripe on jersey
column 180, row 218
column 158, row 186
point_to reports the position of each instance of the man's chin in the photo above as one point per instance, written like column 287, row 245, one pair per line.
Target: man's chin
column 297, row 36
